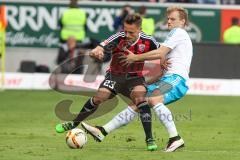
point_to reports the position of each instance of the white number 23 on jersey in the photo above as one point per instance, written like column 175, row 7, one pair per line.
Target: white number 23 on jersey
column 109, row 84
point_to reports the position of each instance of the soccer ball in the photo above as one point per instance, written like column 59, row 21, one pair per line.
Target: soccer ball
column 76, row 138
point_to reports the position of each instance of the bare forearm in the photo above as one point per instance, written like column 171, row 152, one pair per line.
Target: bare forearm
column 152, row 55
column 159, row 53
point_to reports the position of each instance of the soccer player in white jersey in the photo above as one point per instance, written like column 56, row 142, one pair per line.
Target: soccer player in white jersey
column 176, row 49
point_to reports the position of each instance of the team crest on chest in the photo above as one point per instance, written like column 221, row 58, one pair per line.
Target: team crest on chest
column 141, row 47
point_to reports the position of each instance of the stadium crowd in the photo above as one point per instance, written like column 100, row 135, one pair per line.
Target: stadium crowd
column 226, row 2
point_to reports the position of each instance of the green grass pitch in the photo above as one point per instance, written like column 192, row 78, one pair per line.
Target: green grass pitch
column 208, row 124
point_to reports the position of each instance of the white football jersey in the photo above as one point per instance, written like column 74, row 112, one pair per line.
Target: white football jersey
column 180, row 56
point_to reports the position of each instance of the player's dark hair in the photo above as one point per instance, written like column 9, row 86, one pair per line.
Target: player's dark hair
column 235, row 21
column 73, row 4
column 125, row 11
column 134, row 18
column 142, row 10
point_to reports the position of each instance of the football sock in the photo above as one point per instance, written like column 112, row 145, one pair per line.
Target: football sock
column 122, row 118
column 88, row 108
column 165, row 116
column 146, row 118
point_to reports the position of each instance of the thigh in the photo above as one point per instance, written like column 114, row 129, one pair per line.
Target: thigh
column 162, row 86
column 155, row 98
column 110, row 84
column 177, row 92
column 129, row 85
column 102, row 95
column 170, row 87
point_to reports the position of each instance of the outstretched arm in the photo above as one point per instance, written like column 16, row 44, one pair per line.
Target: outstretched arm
column 159, row 53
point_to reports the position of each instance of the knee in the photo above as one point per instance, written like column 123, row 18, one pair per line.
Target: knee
column 152, row 101
column 97, row 100
column 138, row 95
column 101, row 96
column 138, row 98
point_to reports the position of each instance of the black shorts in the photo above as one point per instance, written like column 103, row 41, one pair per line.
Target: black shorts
column 122, row 83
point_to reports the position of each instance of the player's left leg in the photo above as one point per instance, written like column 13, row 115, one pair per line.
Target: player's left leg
column 158, row 100
column 166, row 118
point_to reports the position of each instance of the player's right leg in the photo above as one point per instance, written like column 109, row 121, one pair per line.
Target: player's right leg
column 89, row 108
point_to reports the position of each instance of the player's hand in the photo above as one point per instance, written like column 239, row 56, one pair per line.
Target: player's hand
column 97, row 53
column 128, row 59
column 165, row 64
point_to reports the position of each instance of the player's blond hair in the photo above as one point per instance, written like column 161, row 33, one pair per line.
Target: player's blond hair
column 183, row 13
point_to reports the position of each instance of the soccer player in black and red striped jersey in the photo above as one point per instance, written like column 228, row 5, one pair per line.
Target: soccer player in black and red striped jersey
column 127, row 80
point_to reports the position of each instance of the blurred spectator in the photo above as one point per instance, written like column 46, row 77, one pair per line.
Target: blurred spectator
column 228, row 1
column 73, row 23
column 192, row 1
column 232, row 34
column 69, row 53
column 206, row 1
column 3, row 19
column 178, row 1
column 148, row 23
column 118, row 21
column 73, row 37
column 3, row 25
column 73, row 55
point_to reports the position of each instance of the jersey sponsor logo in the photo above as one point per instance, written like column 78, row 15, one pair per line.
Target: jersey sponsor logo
column 141, row 47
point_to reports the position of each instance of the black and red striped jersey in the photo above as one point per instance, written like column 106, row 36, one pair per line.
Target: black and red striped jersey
column 117, row 43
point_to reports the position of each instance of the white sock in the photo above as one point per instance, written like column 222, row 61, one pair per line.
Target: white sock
column 122, row 118
column 165, row 116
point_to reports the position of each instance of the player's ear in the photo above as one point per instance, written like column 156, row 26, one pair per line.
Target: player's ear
column 183, row 22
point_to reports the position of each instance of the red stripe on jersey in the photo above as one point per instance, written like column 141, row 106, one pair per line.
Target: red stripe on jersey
column 140, row 47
